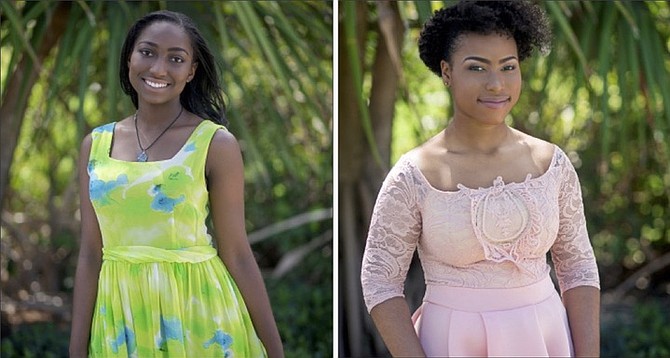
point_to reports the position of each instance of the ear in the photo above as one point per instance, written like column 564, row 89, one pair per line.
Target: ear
column 446, row 72
column 191, row 74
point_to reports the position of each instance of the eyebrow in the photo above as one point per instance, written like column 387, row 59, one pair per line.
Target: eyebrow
column 481, row 59
column 170, row 49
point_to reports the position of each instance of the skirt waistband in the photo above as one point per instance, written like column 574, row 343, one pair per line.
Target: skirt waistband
column 148, row 254
column 489, row 299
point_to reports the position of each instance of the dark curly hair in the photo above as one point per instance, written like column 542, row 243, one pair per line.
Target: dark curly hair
column 203, row 94
column 524, row 21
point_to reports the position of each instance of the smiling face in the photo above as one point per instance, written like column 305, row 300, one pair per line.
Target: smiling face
column 161, row 63
column 484, row 78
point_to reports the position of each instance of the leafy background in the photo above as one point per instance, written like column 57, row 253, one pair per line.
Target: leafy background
column 59, row 64
column 602, row 94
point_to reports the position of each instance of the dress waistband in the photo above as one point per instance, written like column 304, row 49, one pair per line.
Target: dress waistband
column 148, row 254
column 489, row 299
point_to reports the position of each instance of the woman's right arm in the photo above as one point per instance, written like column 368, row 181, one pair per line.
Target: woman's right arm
column 394, row 323
column 395, row 228
column 88, row 264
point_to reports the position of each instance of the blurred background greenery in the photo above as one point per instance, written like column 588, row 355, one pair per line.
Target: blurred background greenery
column 59, row 64
column 602, row 94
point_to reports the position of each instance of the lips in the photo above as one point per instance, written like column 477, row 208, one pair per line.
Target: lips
column 155, row 84
column 494, row 102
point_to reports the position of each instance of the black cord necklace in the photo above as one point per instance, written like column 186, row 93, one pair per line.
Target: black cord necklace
column 143, row 157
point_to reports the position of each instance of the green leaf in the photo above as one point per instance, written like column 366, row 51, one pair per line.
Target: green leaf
column 563, row 23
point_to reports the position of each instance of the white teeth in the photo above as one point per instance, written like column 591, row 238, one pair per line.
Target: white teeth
column 156, row 85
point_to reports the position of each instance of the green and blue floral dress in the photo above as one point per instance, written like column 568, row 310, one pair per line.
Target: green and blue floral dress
column 163, row 291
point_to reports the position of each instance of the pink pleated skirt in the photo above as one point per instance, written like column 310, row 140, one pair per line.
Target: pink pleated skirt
column 527, row 321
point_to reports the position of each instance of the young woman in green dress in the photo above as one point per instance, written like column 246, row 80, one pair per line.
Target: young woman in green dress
column 149, row 280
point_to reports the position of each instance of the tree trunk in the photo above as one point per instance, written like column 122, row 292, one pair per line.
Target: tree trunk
column 360, row 176
column 352, row 147
column 385, row 81
column 17, row 90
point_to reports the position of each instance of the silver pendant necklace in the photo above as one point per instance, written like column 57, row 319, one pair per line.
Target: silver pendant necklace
column 143, row 157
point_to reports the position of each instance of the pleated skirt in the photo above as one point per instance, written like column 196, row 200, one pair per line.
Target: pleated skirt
column 528, row 321
column 148, row 305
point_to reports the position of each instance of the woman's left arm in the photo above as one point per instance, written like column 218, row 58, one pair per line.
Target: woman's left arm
column 225, row 176
column 575, row 264
column 583, row 306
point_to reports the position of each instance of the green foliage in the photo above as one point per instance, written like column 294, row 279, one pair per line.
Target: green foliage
column 303, row 307
column 643, row 331
column 276, row 66
column 38, row 340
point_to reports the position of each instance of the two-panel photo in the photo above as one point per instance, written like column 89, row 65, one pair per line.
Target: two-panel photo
column 335, row 178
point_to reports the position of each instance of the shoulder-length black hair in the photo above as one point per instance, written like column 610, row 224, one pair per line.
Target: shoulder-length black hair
column 202, row 95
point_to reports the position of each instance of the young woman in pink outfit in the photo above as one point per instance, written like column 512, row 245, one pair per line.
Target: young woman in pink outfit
column 483, row 203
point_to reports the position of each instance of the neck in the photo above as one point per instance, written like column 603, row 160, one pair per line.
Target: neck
column 468, row 136
column 158, row 115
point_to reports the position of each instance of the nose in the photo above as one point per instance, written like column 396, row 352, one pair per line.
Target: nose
column 495, row 82
column 158, row 67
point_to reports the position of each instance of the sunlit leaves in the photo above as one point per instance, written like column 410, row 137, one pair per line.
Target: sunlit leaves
column 276, row 66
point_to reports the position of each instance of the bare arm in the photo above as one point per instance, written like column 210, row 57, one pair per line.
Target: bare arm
column 394, row 323
column 583, row 306
column 226, row 192
column 88, row 264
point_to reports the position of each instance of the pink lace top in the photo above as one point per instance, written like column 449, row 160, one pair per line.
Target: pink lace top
column 495, row 237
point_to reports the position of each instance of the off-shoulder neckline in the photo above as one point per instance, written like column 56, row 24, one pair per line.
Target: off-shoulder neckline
column 497, row 182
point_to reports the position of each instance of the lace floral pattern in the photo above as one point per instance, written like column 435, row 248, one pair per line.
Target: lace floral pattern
column 495, row 237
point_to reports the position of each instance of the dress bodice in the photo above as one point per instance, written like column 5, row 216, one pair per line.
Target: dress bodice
column 494, row 237
column 161, row 203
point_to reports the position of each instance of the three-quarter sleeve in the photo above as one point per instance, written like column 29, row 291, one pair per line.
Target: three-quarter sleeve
column 572, row 253
column 395, row 228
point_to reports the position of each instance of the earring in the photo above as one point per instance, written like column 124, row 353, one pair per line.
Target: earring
column 447, row 84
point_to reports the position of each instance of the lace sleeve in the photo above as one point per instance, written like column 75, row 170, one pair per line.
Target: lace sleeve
column 395, row 228
column 572, row 253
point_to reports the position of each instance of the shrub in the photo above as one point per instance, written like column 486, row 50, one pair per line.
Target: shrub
column 38, row 340
column 641, row 331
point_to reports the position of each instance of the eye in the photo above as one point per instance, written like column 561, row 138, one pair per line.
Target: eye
column 177, row 59
column 509, row 68
column 476, row 68
column 145, row 52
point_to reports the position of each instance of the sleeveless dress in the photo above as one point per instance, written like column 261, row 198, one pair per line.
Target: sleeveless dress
column 483, row 253
column 163, row 291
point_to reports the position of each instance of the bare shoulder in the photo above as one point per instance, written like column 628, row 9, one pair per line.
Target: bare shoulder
column 224, row 142
column 425, row 154
column 541, row 150
column 431, row 160
column 86, row 143
column 125, row 124
column 224, row 152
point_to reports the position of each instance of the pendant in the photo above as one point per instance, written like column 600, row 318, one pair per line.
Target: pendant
column 142, row 157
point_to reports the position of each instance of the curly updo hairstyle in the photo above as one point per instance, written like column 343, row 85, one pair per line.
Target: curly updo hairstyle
column 523, row 21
